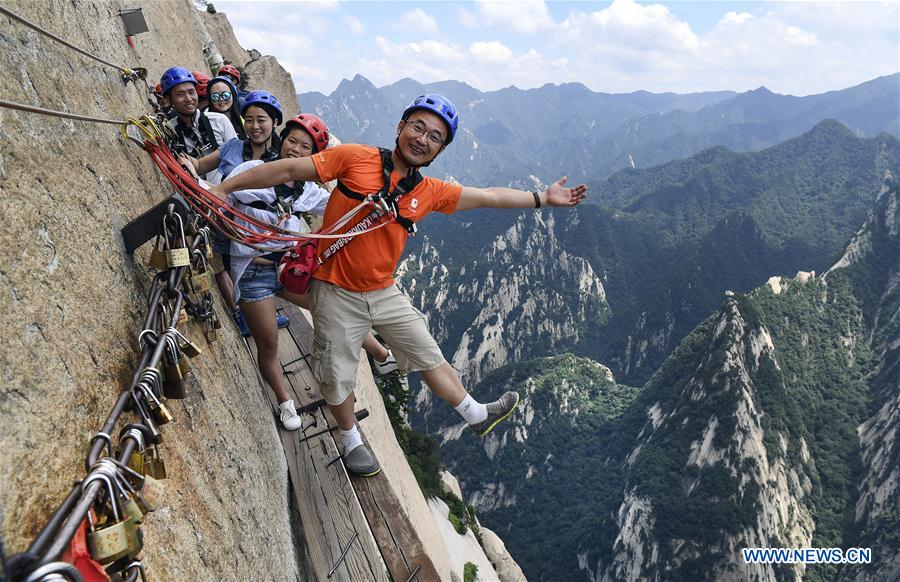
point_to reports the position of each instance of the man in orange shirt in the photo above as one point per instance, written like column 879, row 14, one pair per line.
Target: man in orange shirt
column 354, row 291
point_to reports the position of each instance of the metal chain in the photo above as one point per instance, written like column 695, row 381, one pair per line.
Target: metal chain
column 158, row 338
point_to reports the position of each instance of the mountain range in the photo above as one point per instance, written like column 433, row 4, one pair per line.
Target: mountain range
column 707, row 350
column 527, row 137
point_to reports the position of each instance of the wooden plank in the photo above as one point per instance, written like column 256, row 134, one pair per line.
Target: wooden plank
column 364, row 559
column 321, row 535
column 398, row 542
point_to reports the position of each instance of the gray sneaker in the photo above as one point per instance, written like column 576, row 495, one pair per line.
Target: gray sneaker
column 362, row 462
column 497, row 411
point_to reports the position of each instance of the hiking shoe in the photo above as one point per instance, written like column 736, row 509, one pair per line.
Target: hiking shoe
column 387, row 366
column 362, row 462
column 497, row 411
column 282, row 320
column 289, row 417
column 238, row 316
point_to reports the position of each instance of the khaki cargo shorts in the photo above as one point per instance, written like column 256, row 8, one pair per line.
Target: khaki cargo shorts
column 342, row 319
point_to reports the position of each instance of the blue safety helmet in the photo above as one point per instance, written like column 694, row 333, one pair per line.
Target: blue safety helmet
column 263, row 98
column 439, row 105
column 175, row 76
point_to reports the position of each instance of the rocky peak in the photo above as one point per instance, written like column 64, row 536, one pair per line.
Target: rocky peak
column 524, row 295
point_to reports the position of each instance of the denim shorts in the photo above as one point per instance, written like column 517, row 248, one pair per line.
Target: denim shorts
column 258, row 282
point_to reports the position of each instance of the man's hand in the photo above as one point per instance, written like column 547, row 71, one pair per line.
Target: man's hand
column 218, row 192
column 558, row 195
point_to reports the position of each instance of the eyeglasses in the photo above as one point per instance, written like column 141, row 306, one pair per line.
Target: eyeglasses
column 418, row 128
column 223, row 96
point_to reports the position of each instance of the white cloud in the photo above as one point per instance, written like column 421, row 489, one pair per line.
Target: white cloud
column 354, row 24
column 736, row 17
column 416, row 22
column 522, row 17
column 798, row 48
column 490, row 52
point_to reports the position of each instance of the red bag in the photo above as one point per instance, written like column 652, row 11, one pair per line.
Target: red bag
column 297, row 266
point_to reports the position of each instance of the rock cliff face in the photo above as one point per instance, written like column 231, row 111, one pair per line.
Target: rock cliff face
column 73, row 301
column 266, row 73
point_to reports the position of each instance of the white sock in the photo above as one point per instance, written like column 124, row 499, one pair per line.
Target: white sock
column 472, row 410
column 351, row 439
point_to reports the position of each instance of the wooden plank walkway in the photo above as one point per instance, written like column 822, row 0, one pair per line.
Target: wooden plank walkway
column 355, row 528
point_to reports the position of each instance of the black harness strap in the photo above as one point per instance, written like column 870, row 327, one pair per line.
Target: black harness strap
column 390, row 197
column 205, row 142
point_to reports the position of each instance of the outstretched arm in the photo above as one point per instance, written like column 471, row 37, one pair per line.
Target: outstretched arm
column 268, row 175
column 556, row 195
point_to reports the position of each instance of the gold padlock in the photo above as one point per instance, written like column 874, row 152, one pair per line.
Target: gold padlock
column 158, row 260
column 189, row 349
column 151, row 492
column 200, row 282
column 161, row 414
column 158, row 411
column 173, row 385
column 176, row 256
column 158, row 257
column 133, row 510
column 155, row 467
column 184, row 366
column 136, row 461
column 107, row 542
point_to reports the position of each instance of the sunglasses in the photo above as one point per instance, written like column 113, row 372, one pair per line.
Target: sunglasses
column 217, row 97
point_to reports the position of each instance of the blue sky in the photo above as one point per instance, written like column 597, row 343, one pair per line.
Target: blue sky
column 683, row 46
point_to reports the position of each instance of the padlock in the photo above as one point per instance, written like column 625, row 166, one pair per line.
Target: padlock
column 173, row 386
column 150, row 493
column 182, row 316
column 173, row 383
column 176, row 256
column 154, row 466
column 189, row 349
column 130, row 508
column 136, row 460
column 186, row 346
column 201, row 282
column 184, row 366
column 107, row 542
column 211, row 334
column 158, row 257
column 146, row 418
column 158, row 411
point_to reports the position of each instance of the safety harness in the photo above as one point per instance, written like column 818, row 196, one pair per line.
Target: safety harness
column 389, row 198
column 206, row 142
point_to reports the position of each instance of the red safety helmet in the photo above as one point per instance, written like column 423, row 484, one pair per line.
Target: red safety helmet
column 202, row 82
column 230, row 70
column 314, row 126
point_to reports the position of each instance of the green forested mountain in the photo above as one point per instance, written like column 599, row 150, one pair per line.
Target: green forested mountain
column 772, row 424
column 666, row 244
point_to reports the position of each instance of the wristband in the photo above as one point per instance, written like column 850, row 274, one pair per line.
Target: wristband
column 537, row 200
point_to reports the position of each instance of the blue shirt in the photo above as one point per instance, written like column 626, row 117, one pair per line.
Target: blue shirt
column 231, row 155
